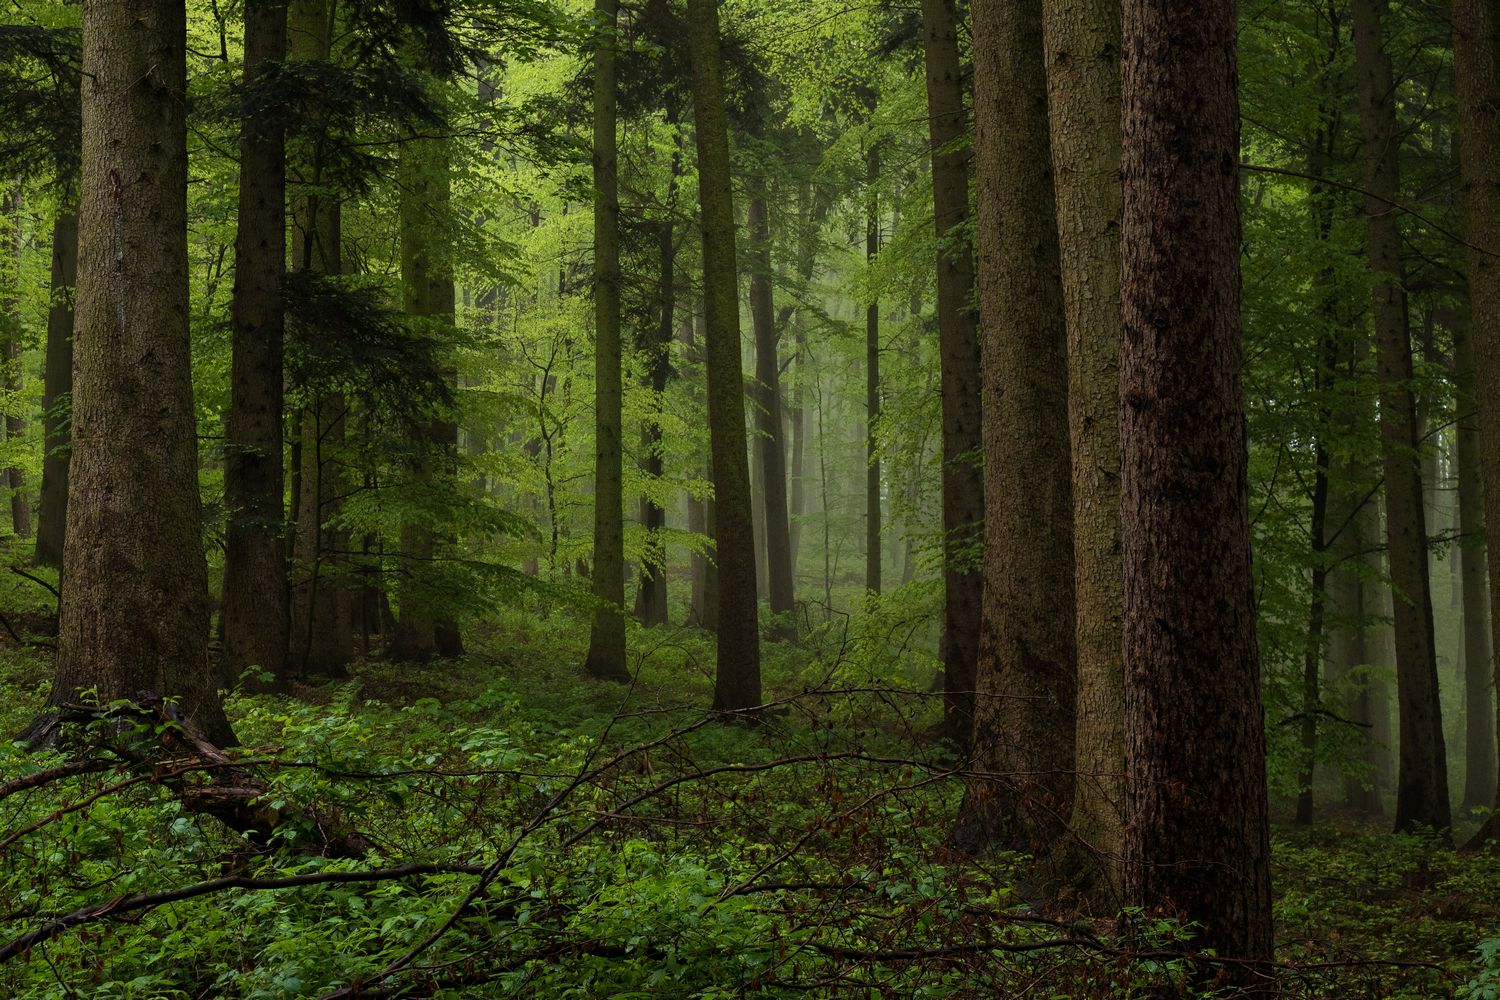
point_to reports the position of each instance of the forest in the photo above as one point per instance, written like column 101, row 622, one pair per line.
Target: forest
column 749, row 498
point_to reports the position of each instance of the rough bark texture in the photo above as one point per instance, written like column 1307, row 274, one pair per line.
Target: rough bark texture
column 958, row 349
column 770, row 443
column 1474, row 49
column 254, row 609
column 135, row 612
column 737, row 680
column 1082, row 44
column 606, row 655
column 1196, row 839
column 57, row 391
column 1023, row 713
column 1478, row 672
column 322, row 631
column 1422, row 783
column 872, row 379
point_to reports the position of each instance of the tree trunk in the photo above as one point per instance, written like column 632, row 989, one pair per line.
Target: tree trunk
column 737, row 680
column 254, row 610
column 134, row 615
column 606, row 655
column 651, row 595
column 1422, row 783
column 1354, row 527
column 1023, row 713
column 57, row 393
column 322, row 631
column 770, row 443
column 872, row 377
column 15, row 424
column 1475, row 55
column 1196, row 837
column 1082, row 45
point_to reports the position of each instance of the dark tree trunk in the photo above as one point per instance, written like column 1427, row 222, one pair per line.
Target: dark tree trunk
column 606, row 655
column 1422, row 782
column 872, row 378
column 1023, row 713
column 770, row 443
column 1082, row 43
column 15, row 424
column 1478, row 672
column 1196, row 837
column 1475, row 55
column 254, row 610
column 737, row 680
column 134, row 615
column 651, row 594
column 57, row 392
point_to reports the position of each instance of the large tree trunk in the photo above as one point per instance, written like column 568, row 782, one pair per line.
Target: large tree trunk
column 606, row 655
column 322, row 606
column 1023, row 714
column 958, row 350
column 770, row 443
column 1422, row 784
column 1196, row 837
column 57, row 391
column 872, row 377
column 1475, row 55
column 737, row 680
column 134, row 614
column 1478, row 673
column 422, row 631
column 1082, row 43
column 255, row 610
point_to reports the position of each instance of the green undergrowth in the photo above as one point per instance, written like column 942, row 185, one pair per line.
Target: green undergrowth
column 540, row 834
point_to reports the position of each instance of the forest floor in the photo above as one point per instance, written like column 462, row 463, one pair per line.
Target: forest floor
column 599, row 840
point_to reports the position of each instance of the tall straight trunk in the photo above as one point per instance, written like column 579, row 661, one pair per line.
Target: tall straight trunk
column 57, row 392
column 958, row 351
column 422, row 631
column 1475, row 56
column 254, row 611
column 322, row 605
column 606, row 655
column 872, row 378
column 808, row 220
column 770, row 443
column 1422, row 783
column 15, row 424
column 651, row 594
column 1353, row 526
column 1082, row 45
column 1023, row 714
column 134, row 615
column 737, row 679
column 1478, row 673
column 1196, row 836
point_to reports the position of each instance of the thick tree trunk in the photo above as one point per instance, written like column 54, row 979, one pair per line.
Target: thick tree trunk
column 737, row 680
column 1478, row 672
column 134, row 615
column 1082, row 44
column 322, row 632
column 606, row 655
column 872, row 378
column 1474, row 49
column 1023, row 713
column 254, row 610
column 958, row 350
column 57, row 392
column 1422, row 784
column 770, row 443
column 1196, row 837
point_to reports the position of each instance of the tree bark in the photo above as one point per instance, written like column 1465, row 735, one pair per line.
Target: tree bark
column 254, row 610
column 1422, row 782
column 872, row 376
column 1023, row 713
column 134, row 615
column 1474, row 49
column 1196, row 837
column 770, row 443
column 606, row 655
column 1082, row 45
column 57, row 392
column 737, row 679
